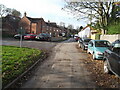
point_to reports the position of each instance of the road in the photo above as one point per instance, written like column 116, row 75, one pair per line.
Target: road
column 62, row 69
column 42, row 45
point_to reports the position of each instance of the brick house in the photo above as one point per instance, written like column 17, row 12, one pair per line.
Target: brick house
column 38, row 25
column 31, row 25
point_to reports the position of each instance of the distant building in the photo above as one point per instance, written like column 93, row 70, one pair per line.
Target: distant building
column 38, row 25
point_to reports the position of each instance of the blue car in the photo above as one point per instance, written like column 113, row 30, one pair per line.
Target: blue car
column 97, row 48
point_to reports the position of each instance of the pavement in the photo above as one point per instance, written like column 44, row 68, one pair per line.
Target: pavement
column 62, row 69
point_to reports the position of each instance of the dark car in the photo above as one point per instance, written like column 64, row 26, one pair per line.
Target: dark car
column 29, row 36
column 43, row 36
column 116, row 41
column 17, row 36
column 83, row 43
column 112, row 59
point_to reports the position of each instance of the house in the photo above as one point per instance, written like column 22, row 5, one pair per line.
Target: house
column 88, row 32
column 32, row 25
column 10, row 24
column 38, row 25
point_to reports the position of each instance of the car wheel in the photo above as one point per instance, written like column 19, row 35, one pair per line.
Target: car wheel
column 83, row 48
column 79, row 45
column 94, row 57
column 106, row 69
column 88, row 51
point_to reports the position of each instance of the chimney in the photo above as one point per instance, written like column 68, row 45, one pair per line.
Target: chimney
column 48, row 21
column 25, row 14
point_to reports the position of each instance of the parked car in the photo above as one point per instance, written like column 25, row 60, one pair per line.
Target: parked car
column 43, row 36
column 17, row 36
column 116, row 41
column 97, row 48
column 76, row 37
column 112, row 59
column 29, row 36
column 83, row 43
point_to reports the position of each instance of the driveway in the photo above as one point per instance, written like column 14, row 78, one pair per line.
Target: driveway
column 62, row 69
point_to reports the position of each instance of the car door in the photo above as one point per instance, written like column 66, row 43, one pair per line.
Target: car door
column 91, row 47
column 116, row 60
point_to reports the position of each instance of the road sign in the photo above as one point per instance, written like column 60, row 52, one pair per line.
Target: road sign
column 21, row 31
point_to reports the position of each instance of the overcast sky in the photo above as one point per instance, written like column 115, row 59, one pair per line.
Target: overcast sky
column 47, row 9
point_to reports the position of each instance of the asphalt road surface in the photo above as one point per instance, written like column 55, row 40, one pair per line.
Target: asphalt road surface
column 42, row 45
column 62, row 69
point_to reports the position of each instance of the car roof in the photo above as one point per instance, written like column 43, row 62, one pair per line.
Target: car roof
column 98, row 40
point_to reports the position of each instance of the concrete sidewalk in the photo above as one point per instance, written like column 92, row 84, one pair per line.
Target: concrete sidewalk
column 63, row 69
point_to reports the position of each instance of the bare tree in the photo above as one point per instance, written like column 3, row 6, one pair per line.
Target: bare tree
column 2, row 9
column 71, row 28
column 97, row 10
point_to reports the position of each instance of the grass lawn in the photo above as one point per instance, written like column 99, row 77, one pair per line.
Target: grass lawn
column 16, row 60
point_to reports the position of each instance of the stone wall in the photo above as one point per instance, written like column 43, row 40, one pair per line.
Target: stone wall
column 110, row 38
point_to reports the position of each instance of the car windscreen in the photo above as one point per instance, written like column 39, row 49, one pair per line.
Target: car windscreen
column 102, row 44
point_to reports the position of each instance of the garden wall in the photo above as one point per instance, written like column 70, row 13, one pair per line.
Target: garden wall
column 110, row 38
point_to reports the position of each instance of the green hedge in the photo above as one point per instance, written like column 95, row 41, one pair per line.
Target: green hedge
column 16, row 60
column 114, row 29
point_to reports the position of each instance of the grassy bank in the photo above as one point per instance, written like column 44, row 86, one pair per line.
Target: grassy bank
column 16, row 60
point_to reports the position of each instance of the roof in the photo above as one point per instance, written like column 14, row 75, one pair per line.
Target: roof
column 52, row 24
column 89, row 27
column 34, row 20
column 99, row 40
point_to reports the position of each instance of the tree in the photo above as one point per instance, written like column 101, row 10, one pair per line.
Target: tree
column 71, row 29
column 62, row 24
column 101, row 11
column 16, row 13
column 5, row 11
column 2, row 9
column 81, row 27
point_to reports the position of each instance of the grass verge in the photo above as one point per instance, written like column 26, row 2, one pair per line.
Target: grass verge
column 16, row 60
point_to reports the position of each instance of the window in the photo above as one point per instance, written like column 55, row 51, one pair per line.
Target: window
column 102, row 44
column 91, row 43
